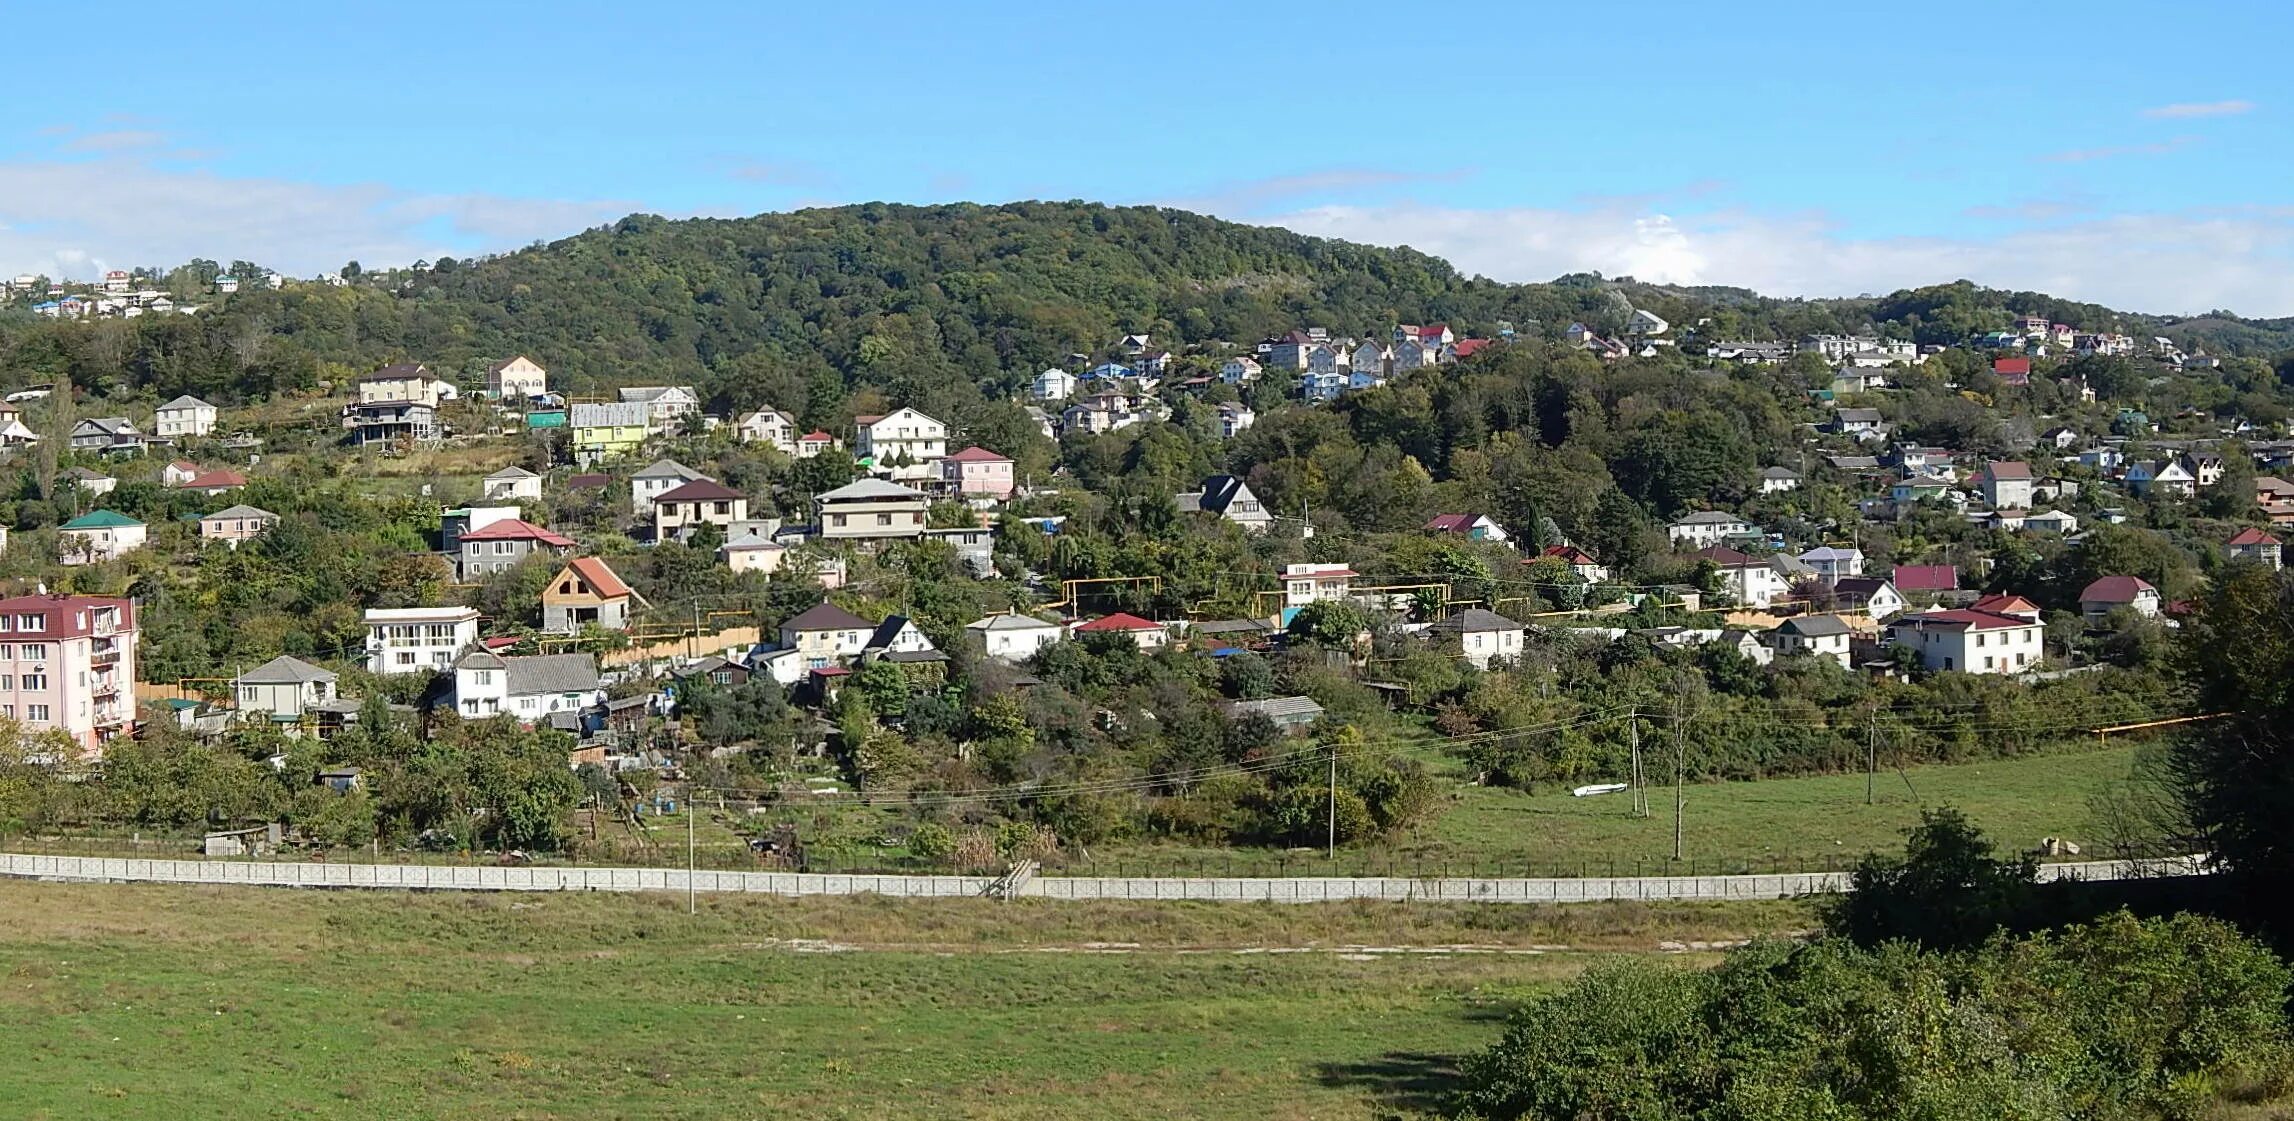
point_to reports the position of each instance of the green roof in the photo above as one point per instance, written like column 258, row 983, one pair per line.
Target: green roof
column 551, row 418
column 101, row 519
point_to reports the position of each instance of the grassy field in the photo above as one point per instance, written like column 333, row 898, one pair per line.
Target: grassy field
column 1777, row 823
column 192, row 1003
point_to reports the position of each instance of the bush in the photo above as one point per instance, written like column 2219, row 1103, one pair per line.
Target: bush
column 2119, row 1020
column 1948, row 889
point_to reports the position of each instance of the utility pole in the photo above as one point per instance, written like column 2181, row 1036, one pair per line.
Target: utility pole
column 1640, row 799
column 1330, row 843
column 1871, row 756
column 1680, row 776
column 692, row 900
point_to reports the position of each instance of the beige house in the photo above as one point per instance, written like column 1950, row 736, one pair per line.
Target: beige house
column 826, row 635
column 516, row 379
column 282, row 689
column 234, row 524
column 679, row 511
column 872, row 509
column 771, row 427
column 752, row 552
column 408, row 382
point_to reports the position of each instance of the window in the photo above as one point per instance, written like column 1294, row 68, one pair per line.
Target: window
column 405, row 658
column 7, row 652
column 8, row 711
column 884, row 519
column 35, row 652
column 836, row 520
column 7, row 681
column 485, row 677
column 36, row 713
column 35, row 683
column 31, row 622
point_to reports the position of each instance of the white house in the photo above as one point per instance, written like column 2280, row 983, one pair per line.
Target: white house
column 1778, row 480
column 512, row 484
column 528, row 688
column 905, row 443
column 1968, row 640
column 1706, row 528
column 417, row 639
column 665, row 405
column 1754, row 582
column 1877, row 595
column 1481, row 636
column 1013, row 638
column 2165, row 477
column 1303, row 584
column 1053, row 384
column 655, row 480
column 1238, row 371
column 97, row 536
column 1832, row 562
column 185, row 417
column 1817, row 636
column 2113, row 592
column 771, row 427
column 2006, row 484
column 1234, row 418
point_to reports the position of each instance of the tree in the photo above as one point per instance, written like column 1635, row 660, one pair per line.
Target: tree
column 2238, row 769
column 1948, row 890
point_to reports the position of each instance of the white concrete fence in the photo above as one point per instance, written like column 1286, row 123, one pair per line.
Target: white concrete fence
column 424, row 877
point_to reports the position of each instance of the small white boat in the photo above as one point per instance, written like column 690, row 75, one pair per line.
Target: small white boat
column 1598, row 788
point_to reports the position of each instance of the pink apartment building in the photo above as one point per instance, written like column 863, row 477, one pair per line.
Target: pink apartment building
column 977, row 472
column 68, row 662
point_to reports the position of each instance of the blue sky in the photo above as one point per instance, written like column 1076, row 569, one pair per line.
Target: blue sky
column 2109, row 151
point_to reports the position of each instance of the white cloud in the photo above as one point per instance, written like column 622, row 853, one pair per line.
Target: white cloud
column 76, row 217
column 2170, row 263
column 2085, row 155
column 2187, row 109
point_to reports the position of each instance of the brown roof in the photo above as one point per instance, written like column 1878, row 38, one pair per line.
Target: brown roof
column 699, row 490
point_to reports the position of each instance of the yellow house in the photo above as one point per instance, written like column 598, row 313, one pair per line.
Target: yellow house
column 602, row 432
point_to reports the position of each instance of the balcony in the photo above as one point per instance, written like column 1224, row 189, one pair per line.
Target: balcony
column 105, row 657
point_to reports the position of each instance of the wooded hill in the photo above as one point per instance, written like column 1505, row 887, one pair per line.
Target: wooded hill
column 935, row 305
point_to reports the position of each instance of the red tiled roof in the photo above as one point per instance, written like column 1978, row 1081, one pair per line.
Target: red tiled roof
column 2008, row 469
column 868, row 419
column 977, row 454
column 513, row 529
column 2011, row 366
column 1926, row 578
column 2116, row 589
column 1964, row 619
column 2253, row 537
column 1118, row 623
column 816, row 438
column 1467, row 348
column 2004, row 604
column 600, row 578
column 1570, row 553
column 1725, row 557
column 1450, row 523
column 220, row 477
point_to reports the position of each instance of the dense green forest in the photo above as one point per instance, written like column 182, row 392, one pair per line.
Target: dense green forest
column 934, row 305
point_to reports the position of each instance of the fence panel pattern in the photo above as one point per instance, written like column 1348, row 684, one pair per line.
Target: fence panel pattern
column 424, row 877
